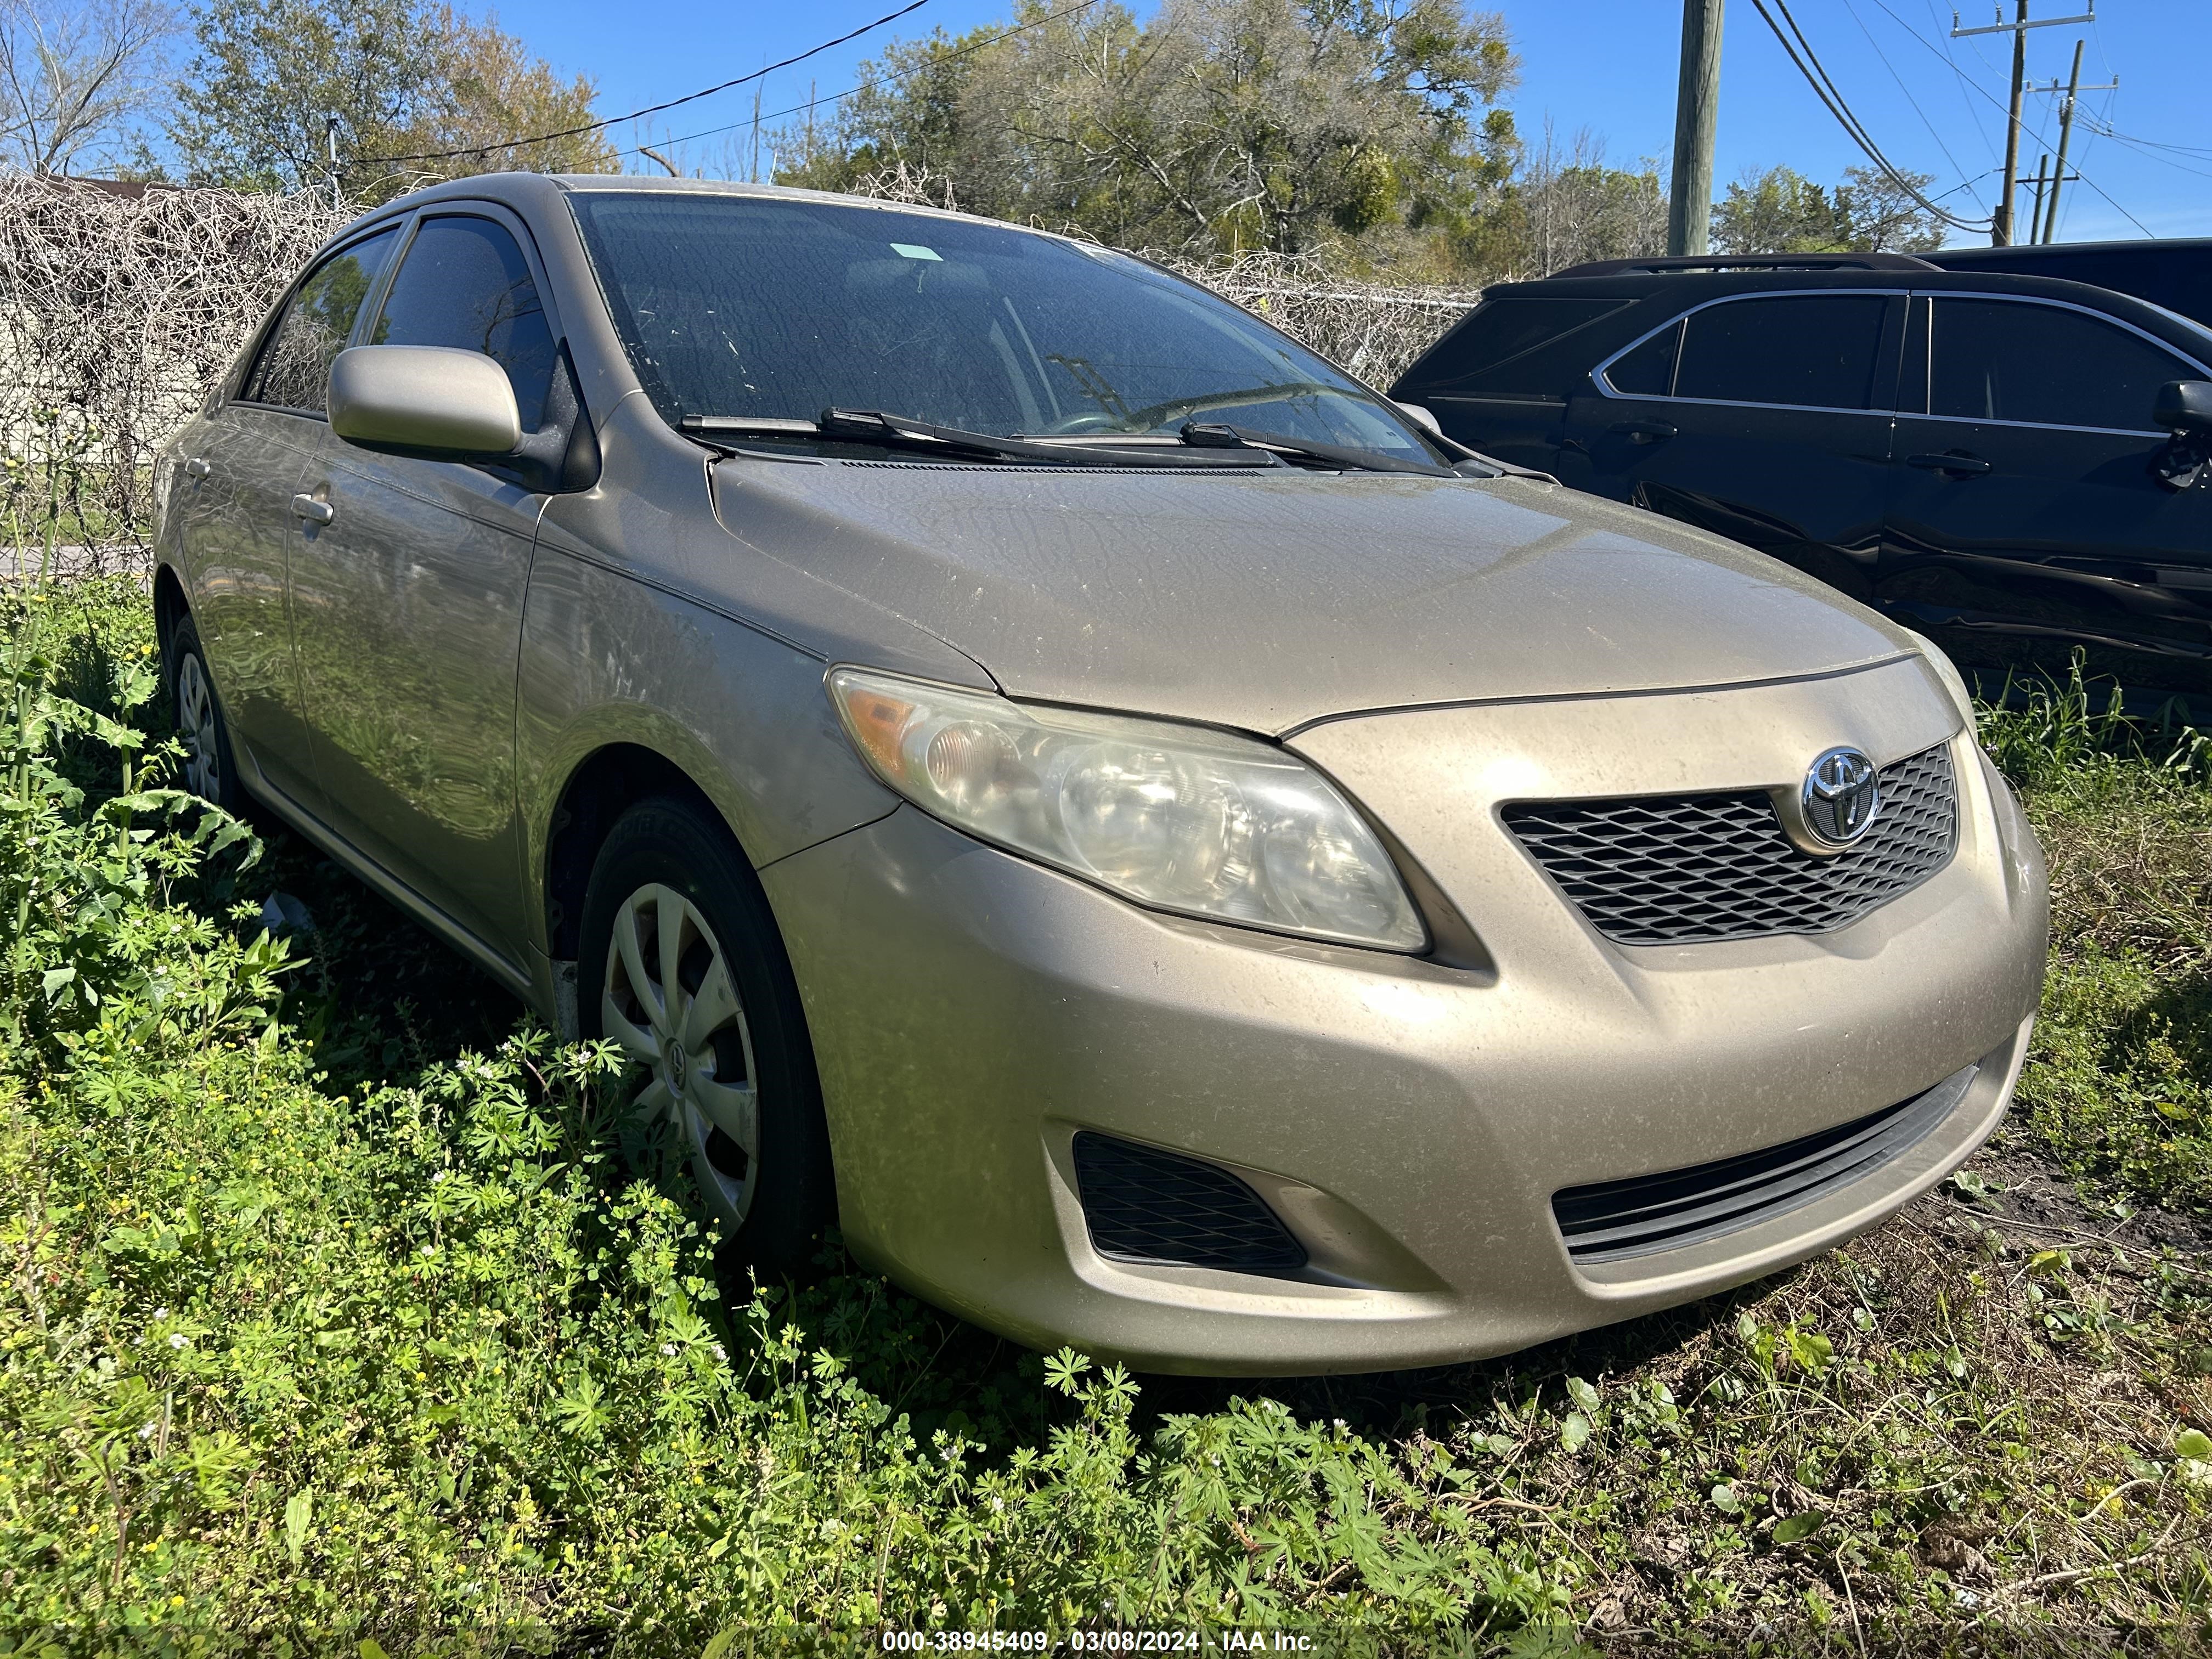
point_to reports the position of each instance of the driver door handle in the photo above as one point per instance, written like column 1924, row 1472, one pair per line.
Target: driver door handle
column 1643, row 432
column 315, row 512
column 1961, row 464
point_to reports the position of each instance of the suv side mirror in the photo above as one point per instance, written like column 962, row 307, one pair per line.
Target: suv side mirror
column 2183, row 406
column 436, row 403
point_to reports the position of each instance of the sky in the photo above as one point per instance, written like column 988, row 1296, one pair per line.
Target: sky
column 1601, row 68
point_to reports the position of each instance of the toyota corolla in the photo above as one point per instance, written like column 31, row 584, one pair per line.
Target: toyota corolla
column 1046, row 774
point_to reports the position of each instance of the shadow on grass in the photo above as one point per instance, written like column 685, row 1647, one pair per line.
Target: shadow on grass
column 381, row 1000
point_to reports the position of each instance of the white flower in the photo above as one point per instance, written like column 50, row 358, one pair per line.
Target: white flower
column 668, row 1348
column 160, row 1314
column 178, row 1340
column 429, row 1249
column 146, row 1431
column 997, row 1503
column 720, row 1353
column 439, row 1177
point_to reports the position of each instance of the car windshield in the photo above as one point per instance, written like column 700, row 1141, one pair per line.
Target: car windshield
column 748, row 307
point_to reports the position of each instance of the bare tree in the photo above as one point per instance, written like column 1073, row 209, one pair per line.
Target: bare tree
column 73, row 77
column 1569, row 206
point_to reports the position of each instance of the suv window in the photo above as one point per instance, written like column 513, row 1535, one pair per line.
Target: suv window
column 1647, row 370
column 1813, row 351
column 1499, row 330
column 293, row 368
column 464, row 283
column 2013, row 359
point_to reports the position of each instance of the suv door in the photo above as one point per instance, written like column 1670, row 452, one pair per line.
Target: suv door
column 1763, row 417
column 243, row 469
column 2025, row 521
column 410, row 599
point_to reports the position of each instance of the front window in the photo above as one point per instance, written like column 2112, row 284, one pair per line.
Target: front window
column 765, row 308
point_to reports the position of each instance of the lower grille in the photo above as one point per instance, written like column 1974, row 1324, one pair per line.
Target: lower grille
column 1690, row 869
column 1645, row 1214
column 1145, row 1205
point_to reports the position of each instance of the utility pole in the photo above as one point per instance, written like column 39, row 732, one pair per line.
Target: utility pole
column 2065, row 136
column 1697, row 113
column 2035, row 213
column 2000, row 221
column 330, row 135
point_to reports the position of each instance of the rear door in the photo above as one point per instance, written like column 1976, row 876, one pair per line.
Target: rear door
column 1764, row 418
column 410, row 598
column 243, row 469
column 2025, row 521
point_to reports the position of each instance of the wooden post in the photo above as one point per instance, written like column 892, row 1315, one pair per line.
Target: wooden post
column 1697, row 111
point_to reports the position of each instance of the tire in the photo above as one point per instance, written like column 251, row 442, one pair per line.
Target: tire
column 730, row 1063
column 210, row 771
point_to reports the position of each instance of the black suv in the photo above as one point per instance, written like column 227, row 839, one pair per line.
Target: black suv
column 2012, row 463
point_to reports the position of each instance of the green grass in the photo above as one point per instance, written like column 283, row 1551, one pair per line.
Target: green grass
column 341, row 1308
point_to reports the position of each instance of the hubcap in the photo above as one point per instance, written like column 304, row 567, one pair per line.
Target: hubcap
column 669, row 1000
column 196, row 725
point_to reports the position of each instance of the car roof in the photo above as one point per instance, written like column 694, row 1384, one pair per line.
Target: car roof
column 519, row 189
column 1690, row 287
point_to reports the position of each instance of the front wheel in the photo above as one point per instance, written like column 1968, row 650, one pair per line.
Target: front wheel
column 210, row 771
column 682, row 967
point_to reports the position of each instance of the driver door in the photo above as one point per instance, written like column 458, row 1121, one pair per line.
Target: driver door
column 408, row 599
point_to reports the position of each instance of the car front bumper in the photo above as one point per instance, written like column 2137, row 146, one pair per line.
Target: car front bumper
column 1409, row 1121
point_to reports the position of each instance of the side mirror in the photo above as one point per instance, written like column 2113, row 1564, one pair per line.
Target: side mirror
column 1421, row 418
column 434, row 402
column 2183, row 406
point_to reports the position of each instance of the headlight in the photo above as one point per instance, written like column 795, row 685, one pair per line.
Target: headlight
column 1953, row 682
column 1176, row 816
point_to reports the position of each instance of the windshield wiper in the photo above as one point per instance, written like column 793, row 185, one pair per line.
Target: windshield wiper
column 870, row 426
column 1159, row 415
column 1213, row 435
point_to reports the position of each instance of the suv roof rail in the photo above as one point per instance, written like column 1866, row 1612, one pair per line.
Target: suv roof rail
column 1688, row 262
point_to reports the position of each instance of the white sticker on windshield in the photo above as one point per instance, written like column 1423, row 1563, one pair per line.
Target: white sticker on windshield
column 915, row 250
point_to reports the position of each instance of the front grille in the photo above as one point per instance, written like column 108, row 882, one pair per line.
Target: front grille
column 1689, row 869
column 1645, row 1214
column 1145, row 1205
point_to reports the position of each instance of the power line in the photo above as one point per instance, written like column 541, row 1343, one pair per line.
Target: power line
column 650, row 109
column 871, row 84
column 1826, row 92
column 1956, row 167
column 1967, row 80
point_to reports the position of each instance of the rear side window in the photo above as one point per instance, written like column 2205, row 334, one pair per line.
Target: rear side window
column 464, row 283
column 1497, row 330
column 1812, row 350
column 293, row 368
column 2009, row 360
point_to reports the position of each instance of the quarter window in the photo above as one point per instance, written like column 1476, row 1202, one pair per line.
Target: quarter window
column 293, row 368
column 2009, row 360
column 1647, row 370
column 1814, row 350
column 1497, row 330
column 465, row 284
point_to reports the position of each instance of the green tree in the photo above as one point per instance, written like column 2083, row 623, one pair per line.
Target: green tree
column 398, row 78
column 1218, row 126
column 1781, row 211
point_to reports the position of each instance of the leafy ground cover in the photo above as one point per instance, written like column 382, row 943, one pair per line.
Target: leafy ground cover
column 346, row 1314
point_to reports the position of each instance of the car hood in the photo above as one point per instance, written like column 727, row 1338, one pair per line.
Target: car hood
column 1268, row 602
